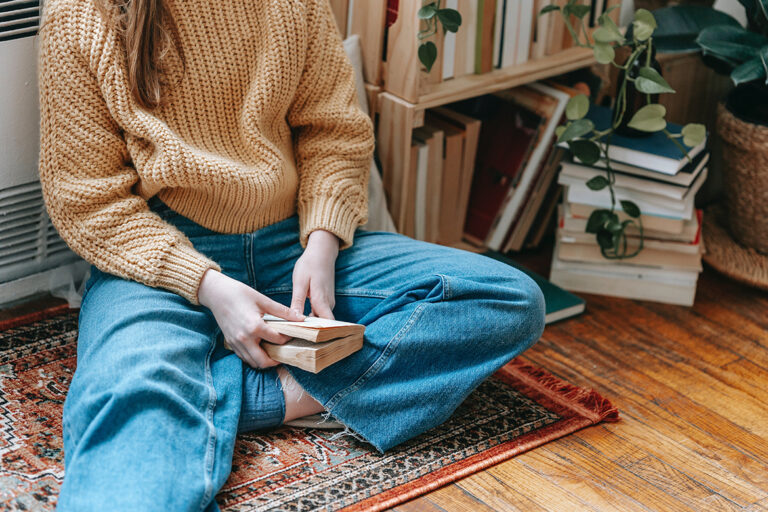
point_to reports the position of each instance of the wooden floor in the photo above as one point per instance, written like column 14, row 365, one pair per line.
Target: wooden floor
column 692, row 388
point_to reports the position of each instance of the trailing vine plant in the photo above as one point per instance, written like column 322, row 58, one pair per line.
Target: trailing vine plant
column 432, row 13
column 588, row 144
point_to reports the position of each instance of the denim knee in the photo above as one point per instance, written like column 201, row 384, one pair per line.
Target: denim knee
column 532, row 307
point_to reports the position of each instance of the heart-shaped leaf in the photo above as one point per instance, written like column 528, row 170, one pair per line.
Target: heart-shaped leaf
column 644, row 24
column 694, row 134
column 630, row 209
column 585, row 150
column 428, row 54
column 650, row 118
column 427, row 11
column 607, row 34
column 580, row 10
column 649, row 81
column 604, row 238
column 596, row 220
column 577, row 107
column 604, row 53
column 597, row 183
column 576, row 129
column 450, row 18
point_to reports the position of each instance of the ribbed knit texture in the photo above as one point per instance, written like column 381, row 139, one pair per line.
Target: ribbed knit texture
column 263, row 123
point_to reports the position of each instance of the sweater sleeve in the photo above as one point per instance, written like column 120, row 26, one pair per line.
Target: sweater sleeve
column 87, row 177
column 333, row 137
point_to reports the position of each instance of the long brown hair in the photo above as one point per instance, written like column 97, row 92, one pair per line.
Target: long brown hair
column 148, row 31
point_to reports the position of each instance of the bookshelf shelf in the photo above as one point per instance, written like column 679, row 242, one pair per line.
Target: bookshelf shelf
column 398, row 117
column 470, row 86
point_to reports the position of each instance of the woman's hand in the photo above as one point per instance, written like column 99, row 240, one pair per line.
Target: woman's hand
column 238, row 310
column 314, row 274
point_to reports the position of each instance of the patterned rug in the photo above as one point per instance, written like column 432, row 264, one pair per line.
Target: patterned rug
column 289, row 469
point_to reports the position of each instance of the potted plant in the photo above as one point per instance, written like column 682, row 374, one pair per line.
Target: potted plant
column 639, row 79
column 743, row 117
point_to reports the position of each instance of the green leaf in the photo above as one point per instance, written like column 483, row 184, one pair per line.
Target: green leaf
column 450, row 18
column 585, row 150
column 577, row 107
column 549, row 8
column 598, row 183
column 559, row 130
column 630, row 209
column 644, row 25
column 427, row 11
column 596, row 220
column 580, row 10
column 751, row 70
column 607, row 34
column 604, row 53
column 614, row 226
column 576, row 129
column 605, row 238
column 649, row 81
column 680, row 25
column 731, row 43
column 694, row 134
column 650, row 118
column 428, row 54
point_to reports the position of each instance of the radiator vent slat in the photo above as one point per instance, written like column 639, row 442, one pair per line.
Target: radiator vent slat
column 19, row 19
column 28, row 241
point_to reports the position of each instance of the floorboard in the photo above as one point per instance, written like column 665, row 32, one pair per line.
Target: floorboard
column 691, row 387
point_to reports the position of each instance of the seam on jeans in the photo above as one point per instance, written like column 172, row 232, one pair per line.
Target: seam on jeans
column 210, row 451
column 447, row 295
column 248, row 257
column 376, row 366
column 356, row 292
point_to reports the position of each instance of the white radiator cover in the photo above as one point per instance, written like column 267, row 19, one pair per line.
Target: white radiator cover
column 33, row 259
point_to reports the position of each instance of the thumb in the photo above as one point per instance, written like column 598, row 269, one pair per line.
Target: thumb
column 300, row 289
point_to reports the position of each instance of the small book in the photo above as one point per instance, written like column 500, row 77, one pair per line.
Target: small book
column 314, row 329
column 312, row 356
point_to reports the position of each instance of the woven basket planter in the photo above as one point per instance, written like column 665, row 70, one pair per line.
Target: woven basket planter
column 745, row 177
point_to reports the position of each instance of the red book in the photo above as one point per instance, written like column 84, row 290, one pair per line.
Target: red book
column 506, row 140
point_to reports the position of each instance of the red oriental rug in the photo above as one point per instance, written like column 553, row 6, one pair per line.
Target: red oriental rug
column 519, row 408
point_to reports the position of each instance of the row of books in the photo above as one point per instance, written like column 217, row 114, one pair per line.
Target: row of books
column 504, row 33
column 484, row 170
column 653, row 173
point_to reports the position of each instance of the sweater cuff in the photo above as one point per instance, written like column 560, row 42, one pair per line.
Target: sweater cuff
column 331, row 214
column 183, row 269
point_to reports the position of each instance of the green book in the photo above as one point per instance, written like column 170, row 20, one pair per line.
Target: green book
column 560, row 303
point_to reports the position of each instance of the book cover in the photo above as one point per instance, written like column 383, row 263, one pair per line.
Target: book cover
column 560, row 304
column 508, row 135
column 451, row 177
column 486, row 12
column 466, row 39
column 654, row 152
column 471, row 128
column 552, row 113
column 683, row 178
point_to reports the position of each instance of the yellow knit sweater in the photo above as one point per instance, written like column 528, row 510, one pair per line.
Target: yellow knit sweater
column 263, row 123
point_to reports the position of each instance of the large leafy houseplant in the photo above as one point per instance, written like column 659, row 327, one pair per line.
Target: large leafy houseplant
column 590, row 145
column 741, row 52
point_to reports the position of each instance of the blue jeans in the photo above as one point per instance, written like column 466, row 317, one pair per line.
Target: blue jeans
column 155, row 404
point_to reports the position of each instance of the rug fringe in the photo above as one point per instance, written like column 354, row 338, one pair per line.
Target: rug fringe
column 586, row 398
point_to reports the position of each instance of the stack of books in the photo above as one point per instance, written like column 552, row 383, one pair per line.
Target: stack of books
column 662, row 181
column 316, row 343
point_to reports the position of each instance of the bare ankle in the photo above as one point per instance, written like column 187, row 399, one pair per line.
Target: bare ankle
column 298, row 403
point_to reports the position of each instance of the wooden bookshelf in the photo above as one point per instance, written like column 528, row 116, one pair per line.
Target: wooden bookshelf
column 400, row 91
column 469, row 86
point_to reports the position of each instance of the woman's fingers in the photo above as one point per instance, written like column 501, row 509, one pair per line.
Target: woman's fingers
column 272, row 307
column 322, row 308
column 300, row 289
column 260, row 357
